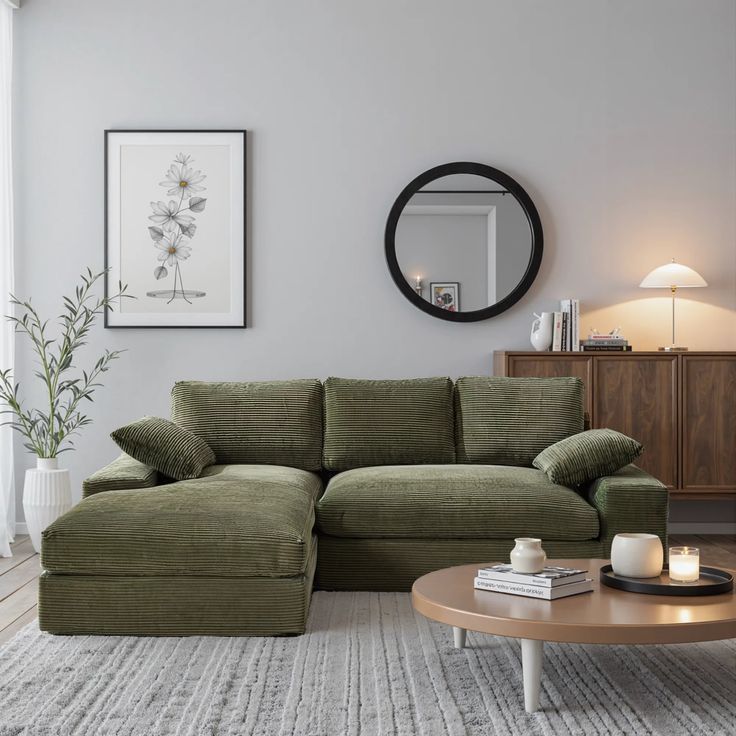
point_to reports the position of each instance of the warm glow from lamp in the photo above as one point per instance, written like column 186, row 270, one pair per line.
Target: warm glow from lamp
column 673, row 276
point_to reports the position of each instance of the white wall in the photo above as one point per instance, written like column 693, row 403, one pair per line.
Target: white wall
column 617, row 116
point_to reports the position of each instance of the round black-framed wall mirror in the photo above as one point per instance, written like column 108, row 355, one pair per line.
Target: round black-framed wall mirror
column 464, row 241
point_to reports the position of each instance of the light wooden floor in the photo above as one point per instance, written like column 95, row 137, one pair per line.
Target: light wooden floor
column 18, row 583
column 19, row 575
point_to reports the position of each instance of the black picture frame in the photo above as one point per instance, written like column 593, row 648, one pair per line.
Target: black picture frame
column 509, row 184
column 243, row 324
column 456, row 284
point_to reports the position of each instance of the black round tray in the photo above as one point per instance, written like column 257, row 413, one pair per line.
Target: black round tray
column 712, row 582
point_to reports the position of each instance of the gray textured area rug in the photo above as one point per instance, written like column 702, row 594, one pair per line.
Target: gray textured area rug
column 368, row 665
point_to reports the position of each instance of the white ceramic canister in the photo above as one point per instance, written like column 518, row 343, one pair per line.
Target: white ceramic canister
column 528, row 555
column 637, row 555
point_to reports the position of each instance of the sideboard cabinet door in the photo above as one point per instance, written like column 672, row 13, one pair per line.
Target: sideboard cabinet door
column 709, row 423
column 637, row 395
column 555, row 365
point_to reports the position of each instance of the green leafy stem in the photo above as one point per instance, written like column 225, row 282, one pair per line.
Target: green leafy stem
column 48, row 432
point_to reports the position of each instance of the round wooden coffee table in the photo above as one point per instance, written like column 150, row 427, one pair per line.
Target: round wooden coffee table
column 605, row 616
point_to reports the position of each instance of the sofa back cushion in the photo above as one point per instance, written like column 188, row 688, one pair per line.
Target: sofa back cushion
column 388, row 422
column 509, row 421
column 269, row 422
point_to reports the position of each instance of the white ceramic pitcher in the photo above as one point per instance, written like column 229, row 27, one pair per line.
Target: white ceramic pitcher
column 541, row 337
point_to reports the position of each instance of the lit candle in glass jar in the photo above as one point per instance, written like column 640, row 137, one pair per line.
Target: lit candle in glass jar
column 684, row 564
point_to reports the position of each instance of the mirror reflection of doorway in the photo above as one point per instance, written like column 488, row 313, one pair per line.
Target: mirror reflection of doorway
column 451, row 242
column 466, row 229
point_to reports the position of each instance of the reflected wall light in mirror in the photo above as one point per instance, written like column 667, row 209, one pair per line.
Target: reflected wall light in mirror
column 465, row 226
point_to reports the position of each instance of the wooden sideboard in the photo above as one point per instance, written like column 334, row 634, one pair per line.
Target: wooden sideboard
column 680, row 406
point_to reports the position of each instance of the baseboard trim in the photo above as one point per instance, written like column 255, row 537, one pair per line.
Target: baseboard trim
column 683, row 527
column 21, row 528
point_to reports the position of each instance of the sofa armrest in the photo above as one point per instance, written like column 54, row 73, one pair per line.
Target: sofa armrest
column 630, row 500
column 122, row 473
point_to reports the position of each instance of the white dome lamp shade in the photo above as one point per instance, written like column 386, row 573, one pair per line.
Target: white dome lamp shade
column 673, row 276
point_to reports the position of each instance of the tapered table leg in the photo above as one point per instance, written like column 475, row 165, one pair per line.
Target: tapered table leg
column 459, row 636
column 531, row 662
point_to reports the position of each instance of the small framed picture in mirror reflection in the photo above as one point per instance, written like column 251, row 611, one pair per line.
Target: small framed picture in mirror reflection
column 445, row 295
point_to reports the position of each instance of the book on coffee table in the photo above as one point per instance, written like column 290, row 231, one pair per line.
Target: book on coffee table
column 534, row 591
column 549, row 577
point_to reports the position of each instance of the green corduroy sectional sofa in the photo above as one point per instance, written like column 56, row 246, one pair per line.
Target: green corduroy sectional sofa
column 346, row 485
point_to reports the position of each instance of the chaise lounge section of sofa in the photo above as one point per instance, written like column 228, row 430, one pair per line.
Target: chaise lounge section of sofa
column 230, row 553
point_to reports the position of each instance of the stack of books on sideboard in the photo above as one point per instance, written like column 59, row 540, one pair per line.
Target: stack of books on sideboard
column 566, row 332
column 565, row 329
column 550, row 584
column 614, row 341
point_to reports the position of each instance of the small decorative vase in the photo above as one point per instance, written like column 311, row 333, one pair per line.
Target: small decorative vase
column 637, row 555
column 541, row 337
column 47, row 494
column 528, row 555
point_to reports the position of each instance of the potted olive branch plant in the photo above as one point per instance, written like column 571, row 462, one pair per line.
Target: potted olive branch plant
column 49, row 431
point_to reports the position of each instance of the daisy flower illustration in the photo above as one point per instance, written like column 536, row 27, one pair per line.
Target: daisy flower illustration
column 165, row 214
column 173, row 248
column 174, row 226
column 181, row 180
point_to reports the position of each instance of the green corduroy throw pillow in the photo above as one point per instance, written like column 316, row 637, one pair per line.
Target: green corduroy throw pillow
column 586, row 456
column 174, row 451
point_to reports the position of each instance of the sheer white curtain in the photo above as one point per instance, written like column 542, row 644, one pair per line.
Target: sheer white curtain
column 7, row 485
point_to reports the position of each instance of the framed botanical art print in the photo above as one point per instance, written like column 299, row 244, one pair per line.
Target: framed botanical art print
column 445, row 295
column 175, row 227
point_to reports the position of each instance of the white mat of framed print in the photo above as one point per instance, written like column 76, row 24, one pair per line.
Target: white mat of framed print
column 175, row 227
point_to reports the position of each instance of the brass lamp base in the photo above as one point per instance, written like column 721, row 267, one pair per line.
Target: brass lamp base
column 673, row 349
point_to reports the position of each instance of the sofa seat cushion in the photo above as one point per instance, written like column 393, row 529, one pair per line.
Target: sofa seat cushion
column 233, row 521
column 453, row 502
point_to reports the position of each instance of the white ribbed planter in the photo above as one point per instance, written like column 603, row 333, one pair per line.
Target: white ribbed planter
column 47, row 494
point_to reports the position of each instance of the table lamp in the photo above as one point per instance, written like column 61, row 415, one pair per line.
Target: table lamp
column 672, row 276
